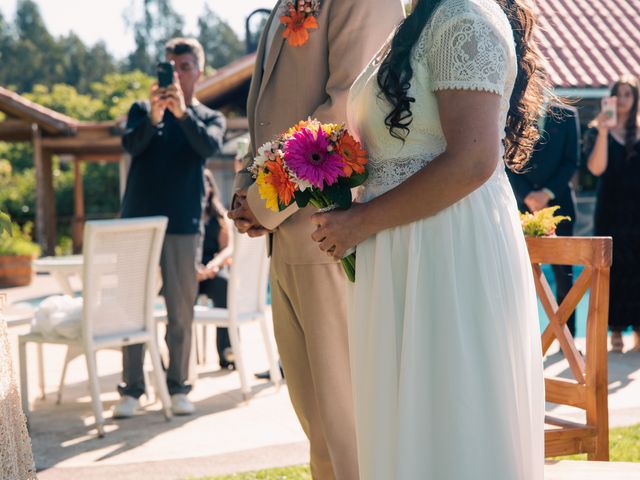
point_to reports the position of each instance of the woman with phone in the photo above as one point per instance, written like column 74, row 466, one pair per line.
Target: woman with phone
column 612, row 149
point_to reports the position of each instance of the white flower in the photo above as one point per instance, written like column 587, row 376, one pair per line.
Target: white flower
column 301, row 184
column 265, row 152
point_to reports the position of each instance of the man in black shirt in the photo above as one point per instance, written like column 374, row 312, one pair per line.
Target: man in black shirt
column 547, row 181
column 169, row 138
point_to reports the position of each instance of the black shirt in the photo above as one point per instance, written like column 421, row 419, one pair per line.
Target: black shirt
column 165, row 177
column 554, row 160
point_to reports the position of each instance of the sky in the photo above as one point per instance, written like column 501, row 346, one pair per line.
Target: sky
column 94, row 20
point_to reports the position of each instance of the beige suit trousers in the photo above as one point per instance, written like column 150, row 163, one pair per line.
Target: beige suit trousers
column 309, row 311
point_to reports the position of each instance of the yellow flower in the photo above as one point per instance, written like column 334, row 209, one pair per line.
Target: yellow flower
column 267, row 191
column 329, row 128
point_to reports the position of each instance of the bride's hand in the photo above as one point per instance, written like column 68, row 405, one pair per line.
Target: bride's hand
column 339, row 230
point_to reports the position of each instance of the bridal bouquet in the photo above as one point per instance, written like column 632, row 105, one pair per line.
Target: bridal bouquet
column 312, row 162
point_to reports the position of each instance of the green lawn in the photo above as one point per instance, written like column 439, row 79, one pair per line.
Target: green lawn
column 300, row 472
column 624, row 446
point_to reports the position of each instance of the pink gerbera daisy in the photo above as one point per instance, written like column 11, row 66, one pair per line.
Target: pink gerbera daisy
column 306, row 155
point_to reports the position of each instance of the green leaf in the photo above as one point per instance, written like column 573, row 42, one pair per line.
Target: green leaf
column 5, row 223
column 302, row 197
column 357, row 179
column 339, row 193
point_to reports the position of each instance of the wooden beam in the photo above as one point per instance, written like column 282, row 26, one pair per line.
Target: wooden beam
column 48, row 120
column 78, row 208
column 15, row 131
column 110, row 157
column 226, row 79
column 81, row 144
column 594, row 251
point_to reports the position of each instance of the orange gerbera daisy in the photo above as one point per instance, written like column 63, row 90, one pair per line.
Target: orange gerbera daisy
column 355, row 157
column 298, row 24
column 280, row 181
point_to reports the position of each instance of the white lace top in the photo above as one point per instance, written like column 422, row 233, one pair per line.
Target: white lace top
column 467, row 44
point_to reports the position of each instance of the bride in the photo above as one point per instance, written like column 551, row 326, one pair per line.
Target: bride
column 444, row 335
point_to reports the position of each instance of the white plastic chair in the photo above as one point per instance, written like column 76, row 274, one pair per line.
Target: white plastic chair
column 246, row 303
column 119, row 287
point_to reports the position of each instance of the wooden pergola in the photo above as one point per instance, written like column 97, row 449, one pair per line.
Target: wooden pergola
column 52, row 133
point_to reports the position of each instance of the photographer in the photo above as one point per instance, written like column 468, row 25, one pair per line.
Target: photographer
column 169, row 138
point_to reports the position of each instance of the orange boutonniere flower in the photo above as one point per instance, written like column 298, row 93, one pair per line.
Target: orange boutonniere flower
column 300, row 18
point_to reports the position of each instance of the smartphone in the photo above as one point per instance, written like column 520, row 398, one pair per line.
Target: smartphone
column 165, row 74
column 609, row 107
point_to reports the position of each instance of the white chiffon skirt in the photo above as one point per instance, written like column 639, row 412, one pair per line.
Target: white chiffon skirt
column 445, row 347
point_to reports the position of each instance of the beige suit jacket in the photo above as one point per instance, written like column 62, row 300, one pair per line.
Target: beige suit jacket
column 309, row 81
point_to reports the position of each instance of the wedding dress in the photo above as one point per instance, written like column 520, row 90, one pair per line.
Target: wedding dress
column 444, row 334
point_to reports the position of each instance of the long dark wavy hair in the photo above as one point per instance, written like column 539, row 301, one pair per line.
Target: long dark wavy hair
column 631, row 127
column 527, row 99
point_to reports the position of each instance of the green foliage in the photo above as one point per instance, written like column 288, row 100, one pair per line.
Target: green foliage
column 542, row 223
column 117, row 91
column 17, row 195
column 64, row 245
column 101, row 188
column 5, row 224
column 18, row 242
column 18, row 155
column 221, row 44
column 65, row 99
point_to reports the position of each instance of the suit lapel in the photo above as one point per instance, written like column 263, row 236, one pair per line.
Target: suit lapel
column 274, row 51
column 259, row 75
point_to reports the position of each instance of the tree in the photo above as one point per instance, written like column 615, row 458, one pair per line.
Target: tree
column 30, row 55
column 29, row 60
column 153, row 23
column 220, row 42
column 81, row 65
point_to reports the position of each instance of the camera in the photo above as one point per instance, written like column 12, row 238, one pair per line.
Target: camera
column 165, row 74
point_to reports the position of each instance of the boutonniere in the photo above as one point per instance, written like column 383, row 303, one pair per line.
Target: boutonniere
column 299, row 17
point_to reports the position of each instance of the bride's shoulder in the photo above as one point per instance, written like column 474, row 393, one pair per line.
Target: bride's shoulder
column 467, row 13
column 451, row 10
column 446, row 12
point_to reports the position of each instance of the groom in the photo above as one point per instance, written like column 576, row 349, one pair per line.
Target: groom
column 308, row 288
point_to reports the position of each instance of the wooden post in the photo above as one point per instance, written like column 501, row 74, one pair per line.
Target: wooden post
column 45, row 195
column 50, row 202
column 36, row 138
column 78, row 207
column 597, row 359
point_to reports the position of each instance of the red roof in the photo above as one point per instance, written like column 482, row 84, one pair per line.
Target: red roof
column 590, row 43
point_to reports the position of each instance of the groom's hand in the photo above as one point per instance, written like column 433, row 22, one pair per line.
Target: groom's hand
column 243, row 217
